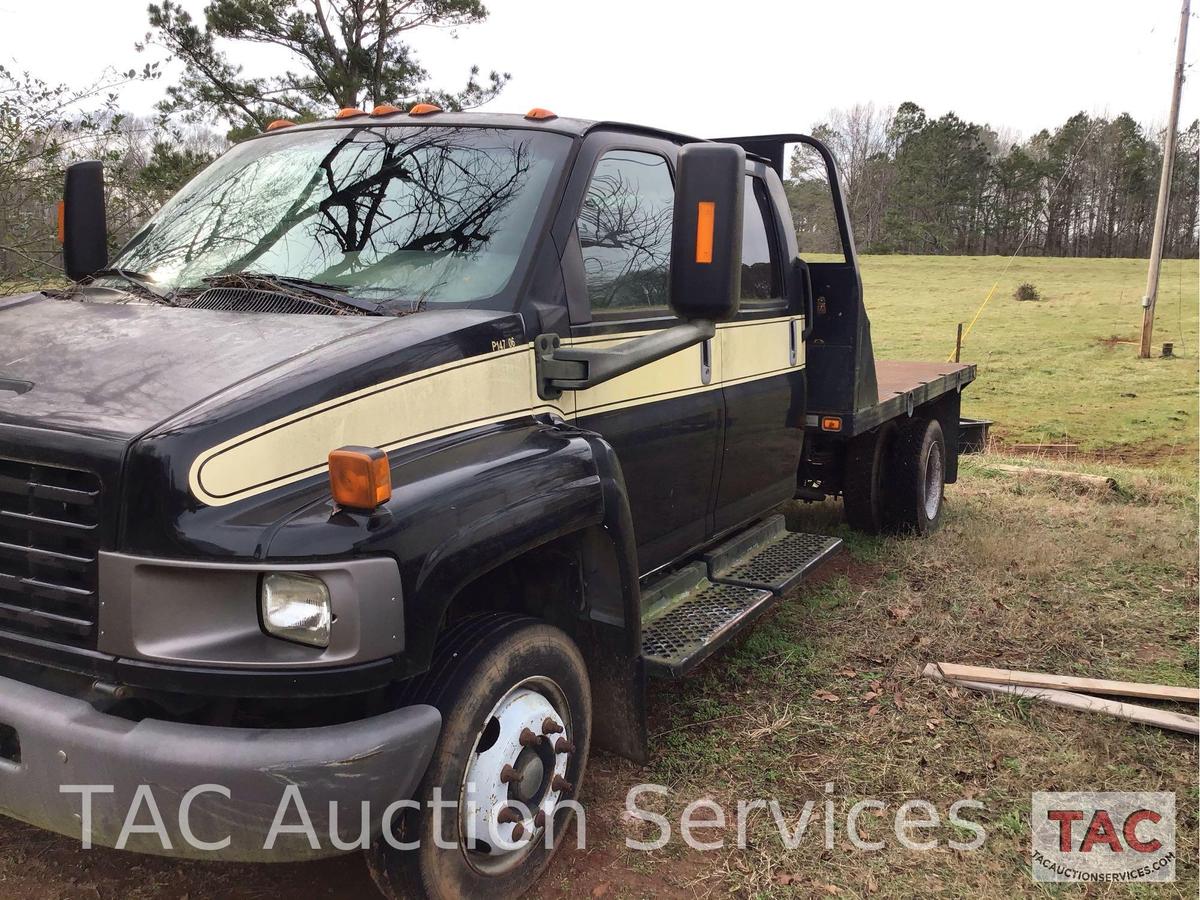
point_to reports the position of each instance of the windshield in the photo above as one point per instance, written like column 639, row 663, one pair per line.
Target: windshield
column 395, row 216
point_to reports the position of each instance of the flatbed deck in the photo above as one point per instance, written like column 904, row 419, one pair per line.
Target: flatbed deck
column 903, row 386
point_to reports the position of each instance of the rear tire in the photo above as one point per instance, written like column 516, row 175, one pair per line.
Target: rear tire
column 865, row 483
column 493, row 677
column 917, row 481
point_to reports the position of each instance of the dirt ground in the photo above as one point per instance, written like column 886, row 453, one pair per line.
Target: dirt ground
column 1030, row 574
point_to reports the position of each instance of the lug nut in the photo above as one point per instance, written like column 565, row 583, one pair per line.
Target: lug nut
column 508, row 815
column 561, row 784
column 518, row 831
column 549, row 726
column 529, row 739
column 562, row 745
column 509, row 775
column 539, row 820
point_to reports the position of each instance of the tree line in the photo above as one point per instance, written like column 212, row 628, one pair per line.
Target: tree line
column 918, row 184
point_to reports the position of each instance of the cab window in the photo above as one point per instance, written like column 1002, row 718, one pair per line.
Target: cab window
column 625, row 233
column 760, row 250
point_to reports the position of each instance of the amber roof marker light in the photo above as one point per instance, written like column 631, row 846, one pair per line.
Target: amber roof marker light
column 385, row 109
column 541, row 114
column 349, row 112
column 279, row 123
column 360, row 477
column 424, row 109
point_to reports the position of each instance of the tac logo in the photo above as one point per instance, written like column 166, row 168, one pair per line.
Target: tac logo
column 1103, row 836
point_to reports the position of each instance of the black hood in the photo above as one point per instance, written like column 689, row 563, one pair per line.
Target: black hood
column 116, row 370
column 135, row 392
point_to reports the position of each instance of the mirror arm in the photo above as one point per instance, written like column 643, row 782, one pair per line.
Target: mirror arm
column 576, row 368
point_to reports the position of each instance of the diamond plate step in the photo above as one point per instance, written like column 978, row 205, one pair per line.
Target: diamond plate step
column 769, row 557
column 689, row 617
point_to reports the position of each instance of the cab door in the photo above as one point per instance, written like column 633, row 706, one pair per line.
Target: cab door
column 762, row 370
column 665, row 419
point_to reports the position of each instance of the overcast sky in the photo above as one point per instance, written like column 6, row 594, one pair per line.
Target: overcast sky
column 736, row 67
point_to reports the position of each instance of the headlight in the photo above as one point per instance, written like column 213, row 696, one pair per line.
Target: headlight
column 296, row 608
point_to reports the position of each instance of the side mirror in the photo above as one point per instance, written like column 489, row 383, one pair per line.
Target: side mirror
column 84, row 230
column 706, row 244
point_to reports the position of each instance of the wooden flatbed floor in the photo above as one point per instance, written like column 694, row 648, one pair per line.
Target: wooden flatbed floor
column 899, row 377
column 904, row 385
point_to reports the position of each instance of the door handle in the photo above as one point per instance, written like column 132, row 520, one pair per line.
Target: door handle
column 793, row 342
column 706, row 362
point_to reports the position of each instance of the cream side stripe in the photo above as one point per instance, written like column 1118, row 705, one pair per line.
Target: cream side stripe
column 746, row 352
column 421, row 406
column 482, row 358
column 674, row 395
column 626, row 335
column 465, row 394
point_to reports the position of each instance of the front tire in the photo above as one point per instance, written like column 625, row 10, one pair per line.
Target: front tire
column 516, row 726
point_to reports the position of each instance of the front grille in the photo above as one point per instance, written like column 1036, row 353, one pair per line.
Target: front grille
column 49, row 543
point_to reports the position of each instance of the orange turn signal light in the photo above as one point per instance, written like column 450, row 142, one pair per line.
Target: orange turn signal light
column 280, row 123
column 538, row 113
column 831, row 423
column 706, row 217
column 62, row 221
column 424, row 109
column 349, row 112
column 385, row 109
column 360, row 477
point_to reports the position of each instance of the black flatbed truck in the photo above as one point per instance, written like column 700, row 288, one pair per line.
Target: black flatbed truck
column 396, row 451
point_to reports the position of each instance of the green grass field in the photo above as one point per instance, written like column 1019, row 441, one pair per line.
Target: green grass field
column 1049, row 370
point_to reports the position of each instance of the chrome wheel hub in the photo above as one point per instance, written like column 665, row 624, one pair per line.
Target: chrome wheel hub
column 516, row 776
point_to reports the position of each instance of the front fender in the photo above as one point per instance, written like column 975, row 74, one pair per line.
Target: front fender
column 459, row 509
column 463, row 508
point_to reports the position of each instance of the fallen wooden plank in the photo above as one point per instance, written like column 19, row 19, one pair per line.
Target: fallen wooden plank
column 1045, row 446
column 1078, row 477
column 1071, row 683
column 1143, row 715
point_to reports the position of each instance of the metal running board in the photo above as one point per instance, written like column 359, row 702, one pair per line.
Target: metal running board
column 769, row 557
column 689, row 617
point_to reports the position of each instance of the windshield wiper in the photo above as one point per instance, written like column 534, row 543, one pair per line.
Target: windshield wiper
column 139, row 280
column 321, row 289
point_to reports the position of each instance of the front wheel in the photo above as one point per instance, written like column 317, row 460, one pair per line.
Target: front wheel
column 516, row 724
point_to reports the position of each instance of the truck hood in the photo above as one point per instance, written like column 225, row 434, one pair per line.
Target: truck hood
column 138, row 393
column 116, row 370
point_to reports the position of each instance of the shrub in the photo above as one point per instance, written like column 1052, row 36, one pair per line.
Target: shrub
column 1026, row 291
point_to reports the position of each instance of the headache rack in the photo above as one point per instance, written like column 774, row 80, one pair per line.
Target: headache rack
column 49, row 545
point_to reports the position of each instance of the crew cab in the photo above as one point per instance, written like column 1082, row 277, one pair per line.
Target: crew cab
column 394, row 455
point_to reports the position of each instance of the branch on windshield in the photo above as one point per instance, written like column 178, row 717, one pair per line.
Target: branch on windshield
column 136, row 285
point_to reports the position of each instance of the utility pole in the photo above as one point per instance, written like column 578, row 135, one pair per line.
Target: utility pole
column 1164, row 189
